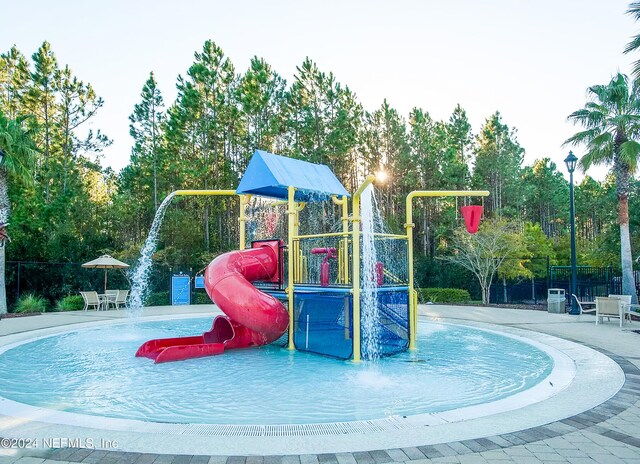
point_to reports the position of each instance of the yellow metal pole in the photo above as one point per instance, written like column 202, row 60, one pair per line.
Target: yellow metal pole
column 298, row 264
column 342, row 257
column 292, row 211
column 244, row 199
column 355, row 228
column 204, row 192
column 345, row 230
column 409, row 225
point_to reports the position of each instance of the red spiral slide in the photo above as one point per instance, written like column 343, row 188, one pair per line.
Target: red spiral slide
column 253, row 318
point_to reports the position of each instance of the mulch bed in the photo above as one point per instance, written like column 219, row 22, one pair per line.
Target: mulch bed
column 14, row 315
column 539, row 307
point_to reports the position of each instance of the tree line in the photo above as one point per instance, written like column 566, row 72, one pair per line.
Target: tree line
column 72, row 208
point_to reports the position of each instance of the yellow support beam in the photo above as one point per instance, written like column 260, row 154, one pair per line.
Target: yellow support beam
column 409, row 225
column 292, row 211
column 329, row 234
column 398, row 236
column 244, row 200
column 355, row 231
column 344, row 259
column 205, row 192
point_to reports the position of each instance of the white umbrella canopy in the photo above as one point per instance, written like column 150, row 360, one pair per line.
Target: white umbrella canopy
column 106, row 262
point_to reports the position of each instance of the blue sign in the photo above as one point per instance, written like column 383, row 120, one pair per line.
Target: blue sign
column 199, row 282
column 180, row 289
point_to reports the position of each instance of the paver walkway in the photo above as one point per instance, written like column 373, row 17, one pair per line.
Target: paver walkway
column 609, row 433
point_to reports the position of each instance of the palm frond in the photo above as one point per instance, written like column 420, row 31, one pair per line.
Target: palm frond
column 633, row 45
column 578, row 138
column 635, row 69
column 586, row 117
column 634, row 10
column 601, row 140
column 19, row 149
column 630, row 154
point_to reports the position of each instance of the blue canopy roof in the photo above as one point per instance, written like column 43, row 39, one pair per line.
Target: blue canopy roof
column 270, row 175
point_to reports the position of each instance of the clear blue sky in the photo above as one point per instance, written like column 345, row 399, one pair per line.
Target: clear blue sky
column 532, row 60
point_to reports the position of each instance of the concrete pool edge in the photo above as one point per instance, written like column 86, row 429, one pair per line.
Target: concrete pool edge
column 415, row 431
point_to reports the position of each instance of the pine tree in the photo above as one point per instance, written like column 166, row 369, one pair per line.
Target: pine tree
column 200, row 129
column 78, row 103
column 146, row 129
column 261, row 94
column 497, row 167
column 546, row 193
column 40, row 101
column 14, row 81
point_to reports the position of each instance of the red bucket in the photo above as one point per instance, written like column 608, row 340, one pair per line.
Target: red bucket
column 472, row 215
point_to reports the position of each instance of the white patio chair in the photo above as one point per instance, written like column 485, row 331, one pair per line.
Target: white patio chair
column 91, row 299
column 121, row 299
column 109, row 298
column 583, row 310
column 608, row 307
column 626, row 304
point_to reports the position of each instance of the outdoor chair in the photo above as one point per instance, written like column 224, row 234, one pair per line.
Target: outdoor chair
column 626, row 304
column 608, row 307
column 582, row 310
column 91, row 299
column 121, row 299
column 109, row 298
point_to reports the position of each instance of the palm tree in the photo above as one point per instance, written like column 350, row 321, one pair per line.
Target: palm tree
column 18, row 157
column 611, row 121
column 634, row 11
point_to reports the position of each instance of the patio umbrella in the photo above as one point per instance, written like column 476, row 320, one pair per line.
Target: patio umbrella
column 106, row 262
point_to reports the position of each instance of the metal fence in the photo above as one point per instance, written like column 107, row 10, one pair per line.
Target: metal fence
column 592, row 281
column 519, row 292
column 55, row 280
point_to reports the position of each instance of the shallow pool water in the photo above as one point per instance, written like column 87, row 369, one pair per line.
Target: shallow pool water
column 94, row 371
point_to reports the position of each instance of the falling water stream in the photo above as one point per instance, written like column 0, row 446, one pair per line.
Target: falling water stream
column 140, row 274
column 370, row 319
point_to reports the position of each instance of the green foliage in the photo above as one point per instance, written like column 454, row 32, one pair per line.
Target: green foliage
column 498, row 165
column 70, row 303
column 157, row 299
column 30, row 303
column 540, row 248
column 443, row 295
column 495, row 248
column 546, row 196
column 202, row 298
column 16, row 143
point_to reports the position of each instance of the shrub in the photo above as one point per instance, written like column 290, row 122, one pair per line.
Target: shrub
column 202, row 298
column 31, row 303
column 443, row 295
column 70, row 303
column 157, row 299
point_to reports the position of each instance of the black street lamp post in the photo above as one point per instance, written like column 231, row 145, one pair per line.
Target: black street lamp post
column 571, row 161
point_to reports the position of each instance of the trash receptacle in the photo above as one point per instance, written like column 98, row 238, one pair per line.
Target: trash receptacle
column 556, row 300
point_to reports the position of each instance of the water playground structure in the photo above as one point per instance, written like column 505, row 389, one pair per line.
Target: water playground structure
column 348, row 293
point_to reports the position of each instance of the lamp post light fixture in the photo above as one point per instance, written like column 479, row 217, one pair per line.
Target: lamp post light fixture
column 571, row 162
